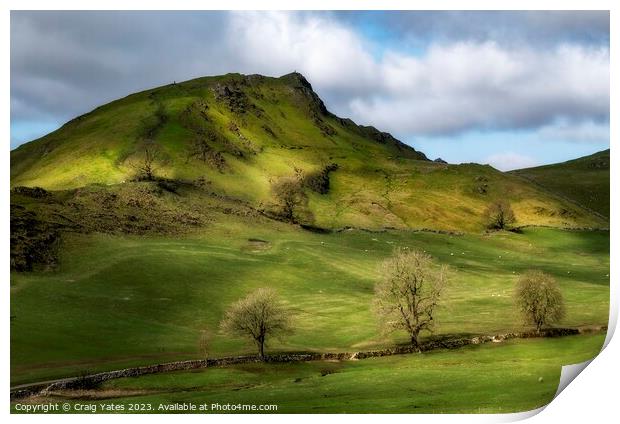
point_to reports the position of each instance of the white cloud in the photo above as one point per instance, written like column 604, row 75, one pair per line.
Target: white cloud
column 510, row 160
column 330, row 54
column 467, row 85
column 450, row 89
column 583, row 132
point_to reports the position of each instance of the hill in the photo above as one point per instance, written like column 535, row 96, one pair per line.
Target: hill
column 205, row 126
column 264, row 141
column 135, row 226
column 584, row 180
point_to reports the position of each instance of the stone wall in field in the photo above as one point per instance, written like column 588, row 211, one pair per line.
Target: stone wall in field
column 92, row 381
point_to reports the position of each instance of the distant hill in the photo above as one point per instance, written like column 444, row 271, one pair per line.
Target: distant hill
column 584, row 180
column 238, row 137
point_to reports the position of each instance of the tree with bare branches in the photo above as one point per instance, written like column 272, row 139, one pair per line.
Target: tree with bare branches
column 258, row 316
column 290, row 198
column 539, row 299
column 150, row 153
column 499, row 215
column 145, row 167
column 407, row 296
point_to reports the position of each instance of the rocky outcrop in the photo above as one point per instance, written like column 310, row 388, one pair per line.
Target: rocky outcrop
column 320, row 116
column 303, row 89
column 387, row 138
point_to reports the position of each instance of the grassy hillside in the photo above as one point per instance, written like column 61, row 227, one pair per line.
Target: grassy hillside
column 239, row 135
column 117, row 300
column 584, row 180
column 471, row 380
column 244, row 123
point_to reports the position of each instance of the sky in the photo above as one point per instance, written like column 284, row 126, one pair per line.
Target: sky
column 512, row 89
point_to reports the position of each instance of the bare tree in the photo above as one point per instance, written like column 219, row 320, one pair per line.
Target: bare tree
column 151, row 154
column 145, row 165
column 499, row 215
column 407, row 296
column 149, row 150
column 539, row 299
column 258, row 316
column 290, row 198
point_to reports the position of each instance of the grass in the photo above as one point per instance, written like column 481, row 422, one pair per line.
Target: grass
column 584, row 180
column 513, row 376
column 117, row 301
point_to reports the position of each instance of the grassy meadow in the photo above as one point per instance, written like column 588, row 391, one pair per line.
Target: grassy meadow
column 513, row 376
column 116, row 301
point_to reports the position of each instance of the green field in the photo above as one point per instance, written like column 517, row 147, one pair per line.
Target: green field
column 516, row 375
column 117, row 301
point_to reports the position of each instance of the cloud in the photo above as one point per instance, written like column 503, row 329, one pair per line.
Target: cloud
column 464, row 86
column 510, row 160
column 466, row 77
column 66, row 63
column 582, row 132
column 450, row 89
column 542, row 28
column 331, row 55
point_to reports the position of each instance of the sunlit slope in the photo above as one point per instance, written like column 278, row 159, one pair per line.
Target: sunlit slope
column 584, row 180
column 247, row 121
column 145, row 299
column 240, row 133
